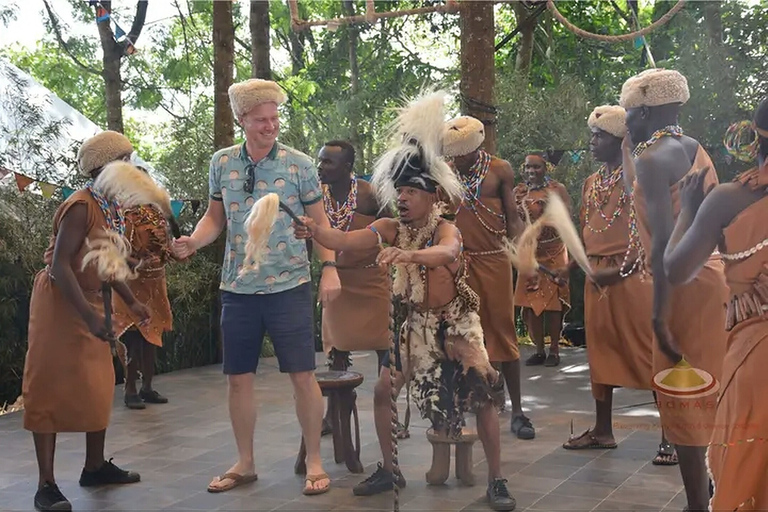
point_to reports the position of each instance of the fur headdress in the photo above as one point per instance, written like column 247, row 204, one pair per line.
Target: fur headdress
column 462, row 136
column 654, row 87
column 102, row 148
column 609, row 118
column 251, row 93
column 415, row 155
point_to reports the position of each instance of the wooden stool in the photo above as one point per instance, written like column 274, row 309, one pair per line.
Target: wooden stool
column 441, row 457
column 339, row 387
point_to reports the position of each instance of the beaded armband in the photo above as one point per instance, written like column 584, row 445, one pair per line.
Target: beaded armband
column 376, row 231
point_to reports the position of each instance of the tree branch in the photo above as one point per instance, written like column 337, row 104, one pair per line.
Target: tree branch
column 64, row 46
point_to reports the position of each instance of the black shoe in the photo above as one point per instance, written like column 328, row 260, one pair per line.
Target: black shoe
column 49, row 497
column 522, row 427
column 552, row 360
column 380, row 481
column 499, row 497
column 134, row 402
column 152, row 397
column 108, row 474
column 536, row 359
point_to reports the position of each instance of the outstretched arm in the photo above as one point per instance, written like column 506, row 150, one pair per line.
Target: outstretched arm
column 445, row 251
column 337, row 240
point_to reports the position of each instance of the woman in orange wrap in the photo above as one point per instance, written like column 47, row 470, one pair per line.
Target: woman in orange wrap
column 731, row 218
column 69, row 379
column 540, row 293
column 148, row 232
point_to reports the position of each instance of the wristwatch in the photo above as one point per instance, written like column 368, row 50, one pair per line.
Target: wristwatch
column 328, row 264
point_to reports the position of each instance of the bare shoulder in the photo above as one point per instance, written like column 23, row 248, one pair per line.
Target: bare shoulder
column 366, row 199
column 726, row 201
column 447, row 230
column 664, row 162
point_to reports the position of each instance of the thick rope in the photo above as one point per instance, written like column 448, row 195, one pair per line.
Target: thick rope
column 370, row 16
column 617, row 38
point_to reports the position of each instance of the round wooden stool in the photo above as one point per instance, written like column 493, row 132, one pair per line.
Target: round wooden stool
column 339, row 387
column 441, row 457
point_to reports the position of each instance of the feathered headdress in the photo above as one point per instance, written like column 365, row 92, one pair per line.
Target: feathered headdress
column 415, row 155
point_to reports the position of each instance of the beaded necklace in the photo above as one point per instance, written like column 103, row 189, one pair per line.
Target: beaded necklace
column 599, row 195
column 472, row 184
column 341, row 217
column 111, row 209
column 634, row 233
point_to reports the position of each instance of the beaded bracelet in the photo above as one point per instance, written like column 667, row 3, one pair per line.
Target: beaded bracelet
column 746, row 152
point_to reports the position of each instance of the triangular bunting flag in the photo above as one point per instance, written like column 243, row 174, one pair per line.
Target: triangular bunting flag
column 575, row 156
column 195, row 205
column 4, row 172
column 176, row 206
column 101, row 14
column 119, row 33
column 639, row 42
column 66, row 192
column 47, row 189
column 23, row 181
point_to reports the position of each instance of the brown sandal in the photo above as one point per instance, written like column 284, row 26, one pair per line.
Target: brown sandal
column 237, row 481
column 593, row 443
column 315, row 478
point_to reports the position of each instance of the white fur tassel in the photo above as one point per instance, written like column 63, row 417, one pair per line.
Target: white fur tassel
column 110, row 257
column 130, row 186
column 258, row 225
column 557, row 216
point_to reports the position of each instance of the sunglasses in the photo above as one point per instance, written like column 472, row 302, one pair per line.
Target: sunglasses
column 250, row 179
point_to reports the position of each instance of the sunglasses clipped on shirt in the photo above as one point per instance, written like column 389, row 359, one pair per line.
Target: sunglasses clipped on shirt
column 250, row 179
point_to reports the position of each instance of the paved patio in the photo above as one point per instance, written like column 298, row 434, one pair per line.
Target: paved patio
column 180, row 446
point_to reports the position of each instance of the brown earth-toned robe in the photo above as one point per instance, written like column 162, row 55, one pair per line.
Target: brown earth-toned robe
column 358, row 319
column 490, row 276
column 697, row 322
column 147, row 230
column 738, row 455
column 551, row 253
column 617, row 322
column 69, row 379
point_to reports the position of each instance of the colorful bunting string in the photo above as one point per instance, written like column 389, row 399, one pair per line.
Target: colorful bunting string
column 120, row 35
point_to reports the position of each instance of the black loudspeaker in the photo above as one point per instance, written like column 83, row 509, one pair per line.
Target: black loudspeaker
column 575, row 335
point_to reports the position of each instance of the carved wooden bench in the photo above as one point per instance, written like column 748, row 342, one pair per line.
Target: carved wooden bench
column 339, row 387
column 441, row 457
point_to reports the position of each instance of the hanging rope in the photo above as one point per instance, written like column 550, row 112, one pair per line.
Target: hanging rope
column 370, row 16
column 617, row 38
column 393, row 401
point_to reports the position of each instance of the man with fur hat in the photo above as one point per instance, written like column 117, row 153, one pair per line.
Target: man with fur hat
column 619, row 344
column 488, row 214
column 69, row 378
column 276, row 299
column 688, row 320
column 441, row 342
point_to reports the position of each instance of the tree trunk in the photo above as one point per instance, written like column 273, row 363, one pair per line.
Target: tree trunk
column 223, row 69
column 260, row 42
column 354, row 72
column 478, row 75
column 527, row 32
column 112, row 56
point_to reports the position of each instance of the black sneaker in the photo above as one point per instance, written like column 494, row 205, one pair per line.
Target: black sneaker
column 133, row 402
column 49, row 497
column 499, row 497
column 380, row 481
column 522, row 427
column 108, row 474
column 536, row 359
column 152, row 397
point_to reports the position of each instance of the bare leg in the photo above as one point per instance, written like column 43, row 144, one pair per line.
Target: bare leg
column 554, row 329
column 382, row 414
column 242, row 414
column 534, row 324
column 309, row 411
column 45, row 449
column 94, row 450
column 511, row 372
column 148, row 352
column 693, row 469
column 133, row 348
column 490, row 435
column 603, row 430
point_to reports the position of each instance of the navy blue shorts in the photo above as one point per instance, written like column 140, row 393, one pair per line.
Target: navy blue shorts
column 384, row 361
column 287, row 317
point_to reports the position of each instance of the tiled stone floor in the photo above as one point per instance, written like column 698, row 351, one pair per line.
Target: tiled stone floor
column 180, row 446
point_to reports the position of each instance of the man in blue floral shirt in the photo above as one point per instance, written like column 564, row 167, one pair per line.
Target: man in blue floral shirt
column 276, row 299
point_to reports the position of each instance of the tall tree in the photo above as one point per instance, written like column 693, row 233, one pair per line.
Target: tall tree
column 354, row 79
column 113, row 53
column 223, row 70
column 478, row 67
column 260, row 41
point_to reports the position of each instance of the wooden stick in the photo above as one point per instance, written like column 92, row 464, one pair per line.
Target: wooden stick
column 106, row 293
